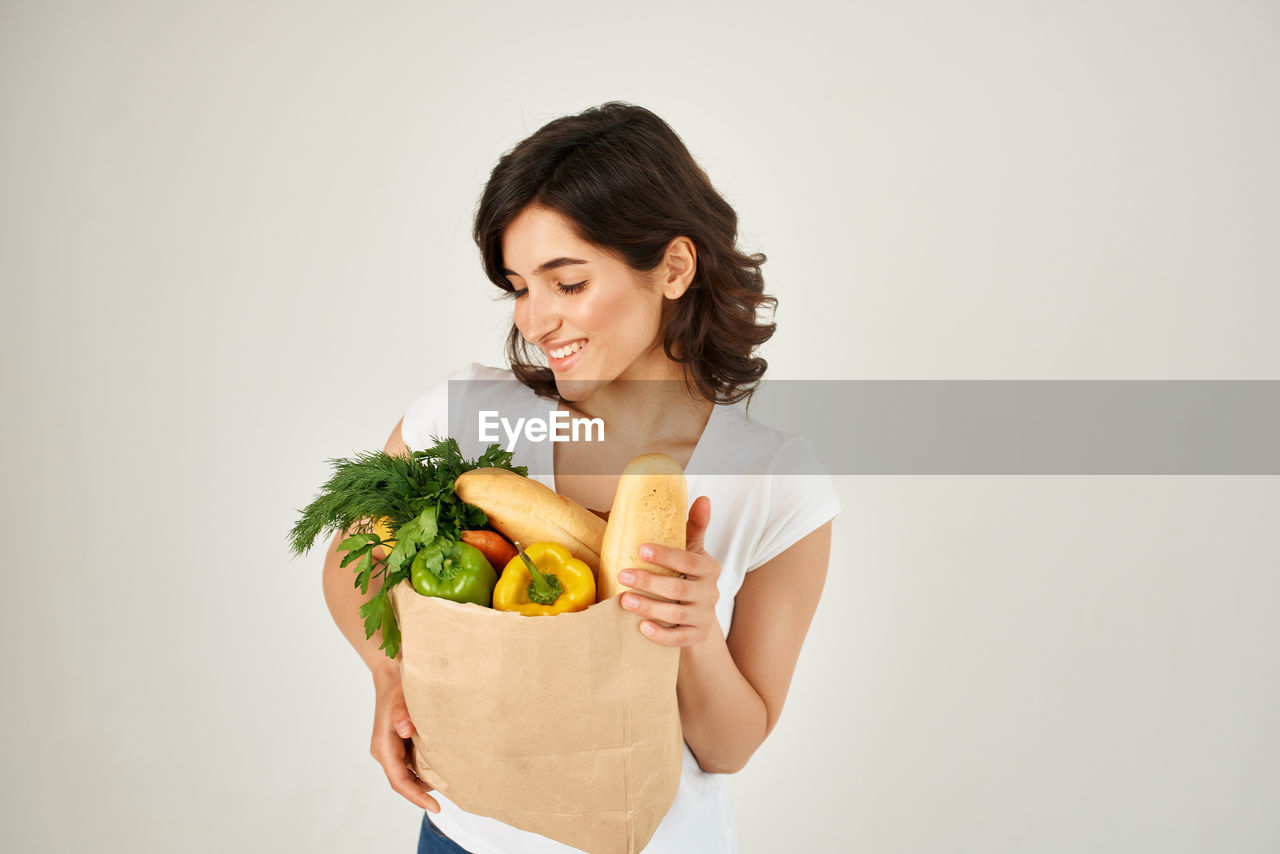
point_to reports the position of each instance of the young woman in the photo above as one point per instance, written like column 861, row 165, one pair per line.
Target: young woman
column 632, row 305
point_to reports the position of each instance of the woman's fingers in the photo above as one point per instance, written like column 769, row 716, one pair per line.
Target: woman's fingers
column 692, row 564
column 680, row 610
column 675, row 613
column 672, row 635
column 699, row 519
column 392, row 747
column 683, row 614
column 395, row 754
column 666, row 586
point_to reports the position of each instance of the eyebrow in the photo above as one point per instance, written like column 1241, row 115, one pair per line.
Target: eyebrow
column 553, row 264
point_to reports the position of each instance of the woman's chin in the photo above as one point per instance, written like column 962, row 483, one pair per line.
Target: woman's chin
column 573, row 389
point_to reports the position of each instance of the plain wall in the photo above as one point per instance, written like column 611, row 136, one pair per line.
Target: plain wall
column 235, row 243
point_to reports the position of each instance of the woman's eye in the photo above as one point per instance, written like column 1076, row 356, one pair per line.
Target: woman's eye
column 517, row 293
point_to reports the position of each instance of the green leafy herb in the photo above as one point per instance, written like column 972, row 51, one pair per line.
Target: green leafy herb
column 380, row 616
column 414, row 493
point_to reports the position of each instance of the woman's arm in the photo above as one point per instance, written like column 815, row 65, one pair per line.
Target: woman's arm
column 731, row 690
column 392, row 727
column 345, row 600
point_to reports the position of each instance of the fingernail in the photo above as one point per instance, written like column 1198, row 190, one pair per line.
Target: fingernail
column 647, row 628
column 626, row 576
column 646, row 552
column 628, row 601
column 403, row 729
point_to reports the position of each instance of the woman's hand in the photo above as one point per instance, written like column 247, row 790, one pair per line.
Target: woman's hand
column 691, row 615
column 391, row 745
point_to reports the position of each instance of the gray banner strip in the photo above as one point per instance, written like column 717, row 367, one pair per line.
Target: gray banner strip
column 1013, row 427
column 1076, row 427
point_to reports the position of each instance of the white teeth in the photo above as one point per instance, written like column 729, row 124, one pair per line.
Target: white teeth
column 567, row 350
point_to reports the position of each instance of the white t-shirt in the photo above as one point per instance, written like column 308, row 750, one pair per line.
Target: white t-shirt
column 767, row 491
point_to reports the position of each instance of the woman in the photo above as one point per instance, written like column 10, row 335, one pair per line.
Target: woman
column 620, row 258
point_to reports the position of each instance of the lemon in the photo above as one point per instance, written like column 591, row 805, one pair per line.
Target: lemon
column 382, row 527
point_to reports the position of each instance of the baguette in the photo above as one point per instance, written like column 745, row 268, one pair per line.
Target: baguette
column 650, row 506
column 525, row 511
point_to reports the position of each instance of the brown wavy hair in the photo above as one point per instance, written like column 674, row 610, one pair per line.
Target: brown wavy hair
column 627, row 184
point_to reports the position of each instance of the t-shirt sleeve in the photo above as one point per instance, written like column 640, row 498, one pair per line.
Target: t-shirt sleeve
column 802, row 496
column 428, row 414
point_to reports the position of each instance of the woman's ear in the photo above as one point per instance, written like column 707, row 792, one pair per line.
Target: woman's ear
column 679, row 264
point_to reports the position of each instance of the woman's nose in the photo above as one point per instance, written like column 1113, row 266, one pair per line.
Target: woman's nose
column 536, row 317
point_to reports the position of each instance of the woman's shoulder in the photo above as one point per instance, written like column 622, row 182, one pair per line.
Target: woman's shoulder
column 472, row 385
column 782, row 488
column 477, row 371
column 745, row 445
column 472, row 371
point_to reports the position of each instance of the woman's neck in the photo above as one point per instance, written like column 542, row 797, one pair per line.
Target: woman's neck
column 658, row 410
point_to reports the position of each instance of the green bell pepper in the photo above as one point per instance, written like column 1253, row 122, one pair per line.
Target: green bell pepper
column 459, row 573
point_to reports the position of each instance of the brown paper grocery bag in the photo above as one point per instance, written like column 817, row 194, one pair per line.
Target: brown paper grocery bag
column 562, row 725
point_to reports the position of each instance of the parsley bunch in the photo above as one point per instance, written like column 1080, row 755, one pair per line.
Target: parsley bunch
column 414, row 494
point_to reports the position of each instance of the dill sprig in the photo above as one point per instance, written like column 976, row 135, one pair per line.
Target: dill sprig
column 414, row 493
column 372, row 485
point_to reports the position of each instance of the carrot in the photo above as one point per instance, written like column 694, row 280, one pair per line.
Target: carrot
column 495, row 548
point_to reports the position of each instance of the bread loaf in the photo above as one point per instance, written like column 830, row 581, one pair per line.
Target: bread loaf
column 525, row 511
column 650, row 506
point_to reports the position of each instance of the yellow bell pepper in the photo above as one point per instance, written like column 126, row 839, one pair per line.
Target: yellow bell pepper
column 544, row 579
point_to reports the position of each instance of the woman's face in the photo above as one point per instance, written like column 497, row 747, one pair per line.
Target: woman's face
column 592, row 316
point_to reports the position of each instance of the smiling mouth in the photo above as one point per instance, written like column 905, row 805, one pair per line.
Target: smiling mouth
column 567, row 351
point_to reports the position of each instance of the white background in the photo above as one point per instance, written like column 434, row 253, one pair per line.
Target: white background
column 235, row 243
